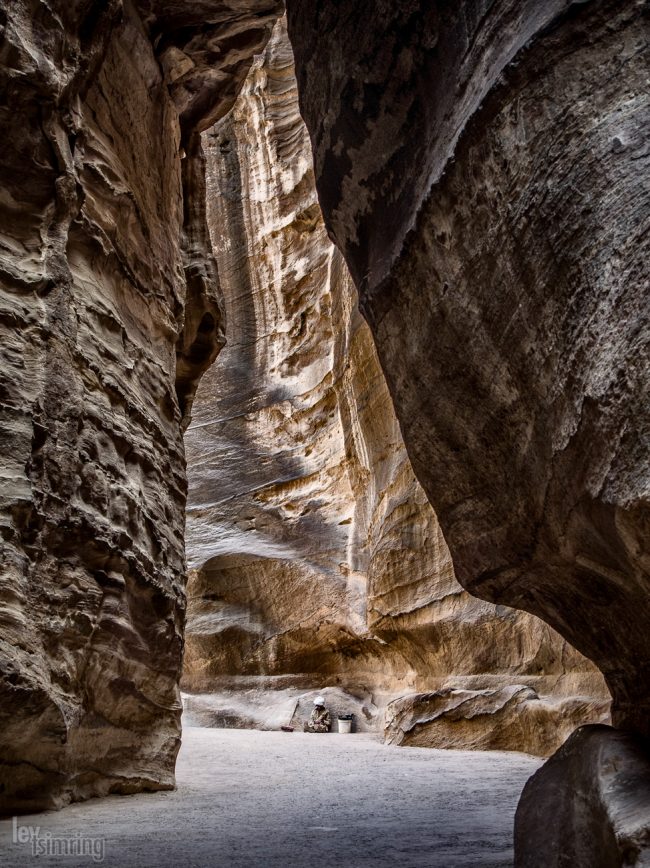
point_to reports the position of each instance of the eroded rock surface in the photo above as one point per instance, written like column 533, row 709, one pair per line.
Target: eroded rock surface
column 480, row 166
column 492, row 718
column 589, row 805
column 103, row 238
column 316, row 558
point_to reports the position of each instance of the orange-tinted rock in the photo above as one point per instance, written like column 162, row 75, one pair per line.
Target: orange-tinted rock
column 480, row 165
column 316, row 558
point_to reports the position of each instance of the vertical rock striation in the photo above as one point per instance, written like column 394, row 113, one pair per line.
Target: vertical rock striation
column 316, row 558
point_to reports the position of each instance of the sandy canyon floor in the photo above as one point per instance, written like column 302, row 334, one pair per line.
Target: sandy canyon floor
column 248, row 799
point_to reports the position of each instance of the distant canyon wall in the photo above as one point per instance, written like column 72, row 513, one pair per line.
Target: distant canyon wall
column 315, row 557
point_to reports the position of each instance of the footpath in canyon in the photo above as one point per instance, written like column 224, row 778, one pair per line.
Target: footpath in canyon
column 272, row 799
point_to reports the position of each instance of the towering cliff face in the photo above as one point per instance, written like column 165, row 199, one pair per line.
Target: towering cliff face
column 511, row 316
column 94, row 272
column 478, row 164
column 316, row 558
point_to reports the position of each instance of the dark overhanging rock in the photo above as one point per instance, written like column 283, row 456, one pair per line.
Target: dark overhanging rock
column 511, row 318
column 589, row 805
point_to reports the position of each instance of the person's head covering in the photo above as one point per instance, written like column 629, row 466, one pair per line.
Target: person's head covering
column 320, row 700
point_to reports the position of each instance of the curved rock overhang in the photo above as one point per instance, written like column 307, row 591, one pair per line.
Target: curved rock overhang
column 479, row 166
column 509, row 318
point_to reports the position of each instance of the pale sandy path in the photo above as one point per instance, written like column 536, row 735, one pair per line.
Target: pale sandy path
column 272, row 799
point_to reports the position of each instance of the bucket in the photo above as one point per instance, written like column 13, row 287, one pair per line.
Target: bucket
column 345, row 725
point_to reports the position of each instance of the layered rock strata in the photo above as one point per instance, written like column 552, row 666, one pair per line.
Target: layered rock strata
column 499, row 717
column 479, row 165
column 315, row 557
column 102, row 241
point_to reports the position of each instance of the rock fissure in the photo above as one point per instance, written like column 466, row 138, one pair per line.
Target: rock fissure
column 350, row 527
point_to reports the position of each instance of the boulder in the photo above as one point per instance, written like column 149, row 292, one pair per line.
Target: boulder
column 510, row 717
column 589, row 805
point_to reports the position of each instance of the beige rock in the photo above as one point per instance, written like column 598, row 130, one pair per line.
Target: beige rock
column 316, row 558
column 490, row 719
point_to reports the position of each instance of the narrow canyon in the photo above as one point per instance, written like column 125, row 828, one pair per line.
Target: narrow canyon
column 325, row 359
column 315, row 559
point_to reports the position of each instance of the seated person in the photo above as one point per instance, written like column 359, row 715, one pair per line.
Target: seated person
column 319, row 720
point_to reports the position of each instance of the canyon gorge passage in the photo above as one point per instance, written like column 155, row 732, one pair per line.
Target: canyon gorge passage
column 435, row 509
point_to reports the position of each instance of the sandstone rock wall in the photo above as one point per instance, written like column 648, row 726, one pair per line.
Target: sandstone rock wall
column 100, row 243
column 480, row 166
column 315, row 557
column 511, row 323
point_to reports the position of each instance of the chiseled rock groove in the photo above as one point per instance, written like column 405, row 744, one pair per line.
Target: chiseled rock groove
column 510, row 317
column 316, row 558
column 99, row 102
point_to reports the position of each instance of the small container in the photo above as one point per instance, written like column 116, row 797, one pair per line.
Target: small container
column 345, row 723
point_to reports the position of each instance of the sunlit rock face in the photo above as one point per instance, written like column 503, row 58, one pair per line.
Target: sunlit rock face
column 102, row 242
column 480, row 165
column 315, row 557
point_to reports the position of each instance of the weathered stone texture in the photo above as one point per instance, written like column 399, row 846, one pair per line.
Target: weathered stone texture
column 497, row 717
column 98, row 226
column 511, row 318
column 589, row 805
column 316, row 558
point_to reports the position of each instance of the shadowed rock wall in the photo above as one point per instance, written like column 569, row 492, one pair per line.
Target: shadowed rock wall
column 479, row 165
column 101, row 241
column 589, row 805
column 510, row 322
column 316, row 558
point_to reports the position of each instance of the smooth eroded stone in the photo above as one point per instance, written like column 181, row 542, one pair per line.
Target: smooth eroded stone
column 589, row 805
column 497, row 718
column 481, row 166
column 315, row 557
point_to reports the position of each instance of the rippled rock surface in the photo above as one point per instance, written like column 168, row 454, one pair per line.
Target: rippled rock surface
column 315, row 557
column 105, row 274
